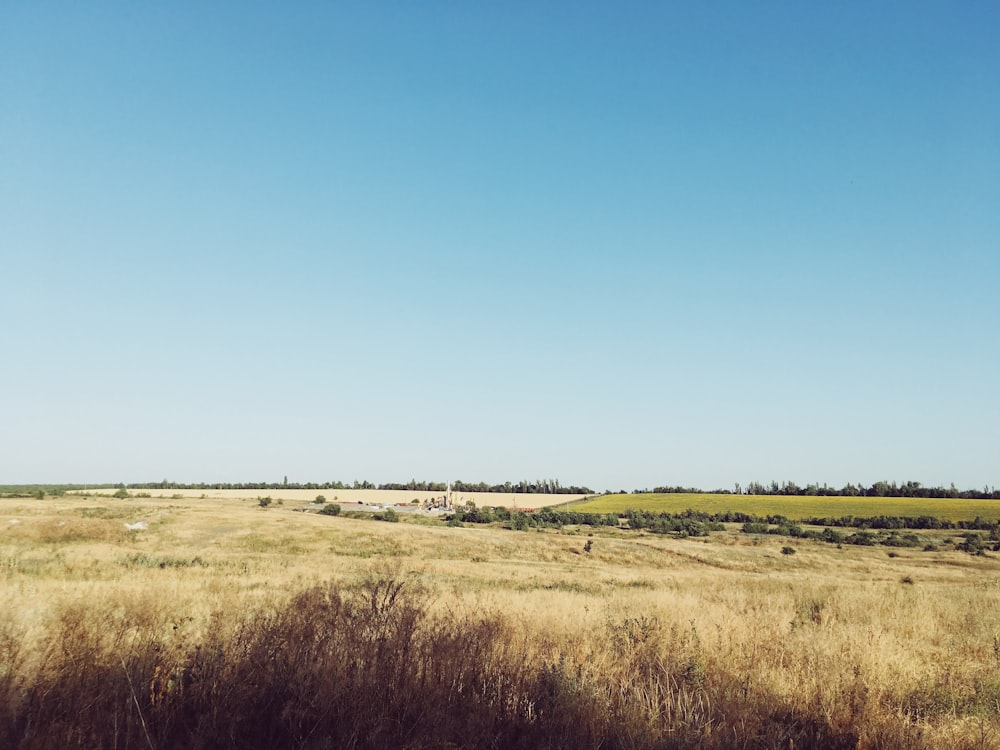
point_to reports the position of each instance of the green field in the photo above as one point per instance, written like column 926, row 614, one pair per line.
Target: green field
column 796, row 507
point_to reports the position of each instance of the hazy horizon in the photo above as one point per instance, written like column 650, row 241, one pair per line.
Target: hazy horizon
column 620, row 247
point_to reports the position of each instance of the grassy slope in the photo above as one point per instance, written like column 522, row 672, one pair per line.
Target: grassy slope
column 796, row 507
column 726, row 630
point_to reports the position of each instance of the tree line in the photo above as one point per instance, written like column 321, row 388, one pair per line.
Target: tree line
column 536, row 487
column 878, row 489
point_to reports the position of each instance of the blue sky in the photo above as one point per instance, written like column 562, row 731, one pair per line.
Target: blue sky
column 687, row 244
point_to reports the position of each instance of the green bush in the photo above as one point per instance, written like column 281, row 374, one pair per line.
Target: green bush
column 973, row 543
column 320, row 499
column 330, row 510
column 832, row 536
column 861, row 538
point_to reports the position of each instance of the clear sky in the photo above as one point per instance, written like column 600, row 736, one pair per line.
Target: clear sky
column 620, row 245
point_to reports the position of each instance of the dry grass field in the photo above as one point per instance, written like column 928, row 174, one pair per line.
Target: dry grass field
column 225, row 624
column 368, row 497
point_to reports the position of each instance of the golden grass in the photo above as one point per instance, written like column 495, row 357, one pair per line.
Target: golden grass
column 678, row 638
column 370, row 497
column 795, row 507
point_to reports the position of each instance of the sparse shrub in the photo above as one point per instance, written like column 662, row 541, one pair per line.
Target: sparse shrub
column 832, row 536
column 788, row 550
column 971, row 543
column 589, row 545
column 901, row 540
column 907, row 580
column 121, row 493
column 809, row 611
column 472, row 514
column 142, row 560
column 263, row 502
column 861, row 538
column 390, row 515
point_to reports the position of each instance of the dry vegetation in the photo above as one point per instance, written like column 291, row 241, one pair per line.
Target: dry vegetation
column 370, row 497
column 224, row 624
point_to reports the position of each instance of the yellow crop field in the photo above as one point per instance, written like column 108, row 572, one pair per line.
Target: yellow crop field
column 158, row 622
column 797, row 506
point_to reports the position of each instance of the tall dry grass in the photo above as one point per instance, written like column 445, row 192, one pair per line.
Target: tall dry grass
column 226, row 625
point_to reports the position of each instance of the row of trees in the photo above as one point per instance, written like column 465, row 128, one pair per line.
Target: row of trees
column 878, row 489
column 539, row 486
column 286, row 485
